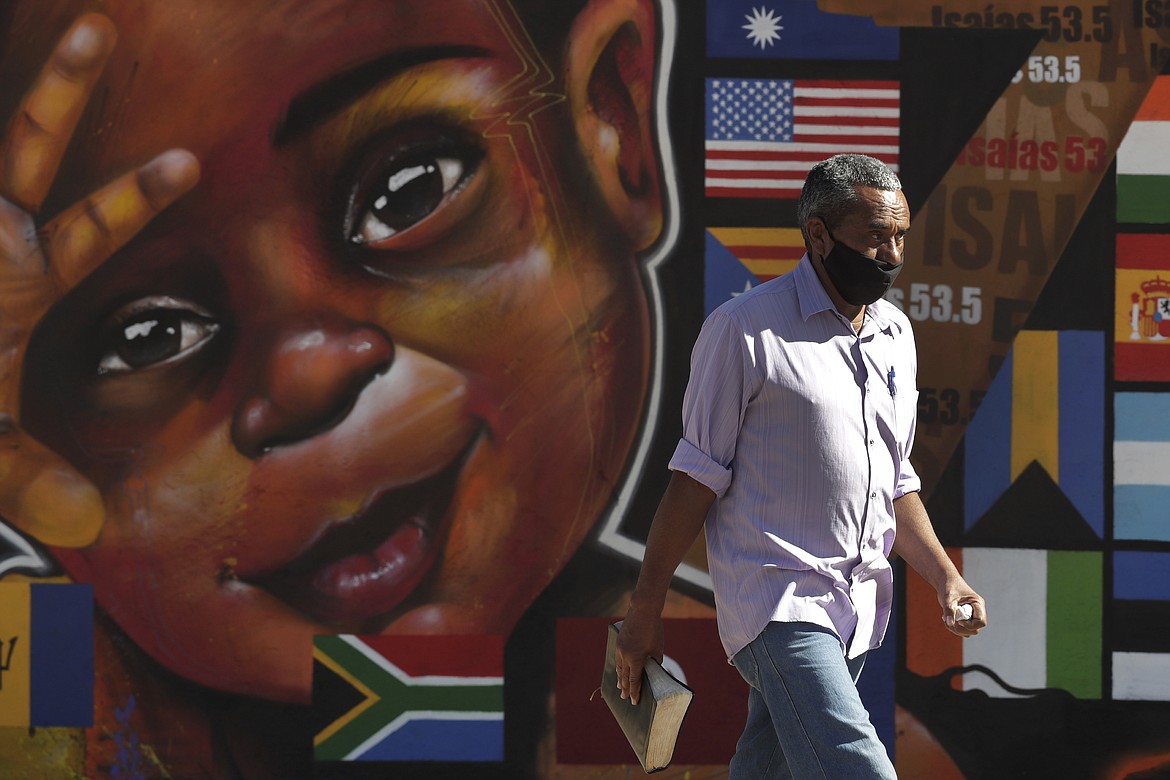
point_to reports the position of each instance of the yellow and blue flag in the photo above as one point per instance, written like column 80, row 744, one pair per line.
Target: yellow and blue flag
column 46, row 654
column 1043, row 411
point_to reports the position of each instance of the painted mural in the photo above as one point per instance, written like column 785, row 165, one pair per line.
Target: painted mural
column 344, row 344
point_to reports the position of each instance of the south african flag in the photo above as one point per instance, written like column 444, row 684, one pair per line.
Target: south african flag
column 408, row 698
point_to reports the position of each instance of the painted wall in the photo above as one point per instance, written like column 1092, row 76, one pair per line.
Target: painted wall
column 344, row 344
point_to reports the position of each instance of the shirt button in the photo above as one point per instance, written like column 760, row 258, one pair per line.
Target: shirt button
column 871, row 442
column 873, row 495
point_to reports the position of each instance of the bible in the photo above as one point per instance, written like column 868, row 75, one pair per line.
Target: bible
column 652, row 725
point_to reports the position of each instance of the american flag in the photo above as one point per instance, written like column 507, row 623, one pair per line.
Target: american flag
column 764, row 134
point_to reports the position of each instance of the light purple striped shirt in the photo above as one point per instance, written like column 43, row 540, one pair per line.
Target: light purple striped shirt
column 803, row 429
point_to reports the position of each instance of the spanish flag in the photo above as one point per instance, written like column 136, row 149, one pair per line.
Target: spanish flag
column 46, row 654
column 1141, row 339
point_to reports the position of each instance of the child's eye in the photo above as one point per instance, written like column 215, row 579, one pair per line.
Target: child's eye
column 151, row 331
column 408, row 188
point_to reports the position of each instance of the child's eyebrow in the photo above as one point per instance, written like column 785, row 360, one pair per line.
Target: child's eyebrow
column 321, row 101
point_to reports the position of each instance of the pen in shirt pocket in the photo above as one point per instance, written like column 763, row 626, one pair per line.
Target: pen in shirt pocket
column 890, row 381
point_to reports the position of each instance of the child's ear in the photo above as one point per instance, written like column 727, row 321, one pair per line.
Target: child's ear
column 610, row 86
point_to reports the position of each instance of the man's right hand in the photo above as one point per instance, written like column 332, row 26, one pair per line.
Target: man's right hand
column 640, row 638
column 680, row 516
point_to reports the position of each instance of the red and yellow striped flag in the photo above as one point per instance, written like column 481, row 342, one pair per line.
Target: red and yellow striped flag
column 766, row 252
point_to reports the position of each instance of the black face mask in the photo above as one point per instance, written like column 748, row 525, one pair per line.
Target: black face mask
column 860, row 280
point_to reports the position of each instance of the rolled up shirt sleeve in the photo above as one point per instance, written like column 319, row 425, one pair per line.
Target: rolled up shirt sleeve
column 713, row 406
column 696, row 464
column 908, row 480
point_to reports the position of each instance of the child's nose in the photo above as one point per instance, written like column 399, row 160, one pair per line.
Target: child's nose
column 315, row 370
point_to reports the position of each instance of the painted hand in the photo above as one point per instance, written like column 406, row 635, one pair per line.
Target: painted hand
column 42, row 259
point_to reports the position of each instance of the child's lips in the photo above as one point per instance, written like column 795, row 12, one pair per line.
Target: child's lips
column 366, row 566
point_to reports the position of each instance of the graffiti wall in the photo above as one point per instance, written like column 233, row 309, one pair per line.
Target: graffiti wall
column 344, row 344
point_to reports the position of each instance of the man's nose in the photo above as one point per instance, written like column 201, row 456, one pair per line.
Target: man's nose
column 889, row 252
column 314, row 371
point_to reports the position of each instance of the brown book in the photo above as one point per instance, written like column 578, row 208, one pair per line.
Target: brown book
column 652, row 724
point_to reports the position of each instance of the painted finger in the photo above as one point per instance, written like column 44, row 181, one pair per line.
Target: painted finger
column 42, row 495
column 79, row 239
column 21, row 260
column 42, row 126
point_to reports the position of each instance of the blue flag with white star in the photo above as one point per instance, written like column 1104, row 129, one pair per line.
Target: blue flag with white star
column 794, row 29
column 724, row 276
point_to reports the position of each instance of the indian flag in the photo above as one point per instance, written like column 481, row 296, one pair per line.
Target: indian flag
column 46, row 654
column 1143, row 167
column 1047, row 608
column 409, row 698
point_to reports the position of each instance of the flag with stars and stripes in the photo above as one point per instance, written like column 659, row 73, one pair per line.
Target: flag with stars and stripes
column 763, row 135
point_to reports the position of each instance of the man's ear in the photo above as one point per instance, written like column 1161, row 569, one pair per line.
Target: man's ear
column 609, row 81
column 817, row 237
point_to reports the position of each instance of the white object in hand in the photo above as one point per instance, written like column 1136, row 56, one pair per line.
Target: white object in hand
column 963, row 612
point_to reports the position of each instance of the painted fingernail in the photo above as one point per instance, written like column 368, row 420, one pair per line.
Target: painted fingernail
column 62, row 509
column 174, row 170
column 84, row 44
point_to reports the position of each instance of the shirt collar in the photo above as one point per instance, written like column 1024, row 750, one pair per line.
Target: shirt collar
column 814, row 299
column 809, row 290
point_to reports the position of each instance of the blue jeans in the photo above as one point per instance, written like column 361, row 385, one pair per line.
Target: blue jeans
column 805, row 717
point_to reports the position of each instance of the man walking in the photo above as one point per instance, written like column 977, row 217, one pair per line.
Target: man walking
column 797, row 427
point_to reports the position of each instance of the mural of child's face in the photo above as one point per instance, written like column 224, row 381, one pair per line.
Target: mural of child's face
column 375, row 373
